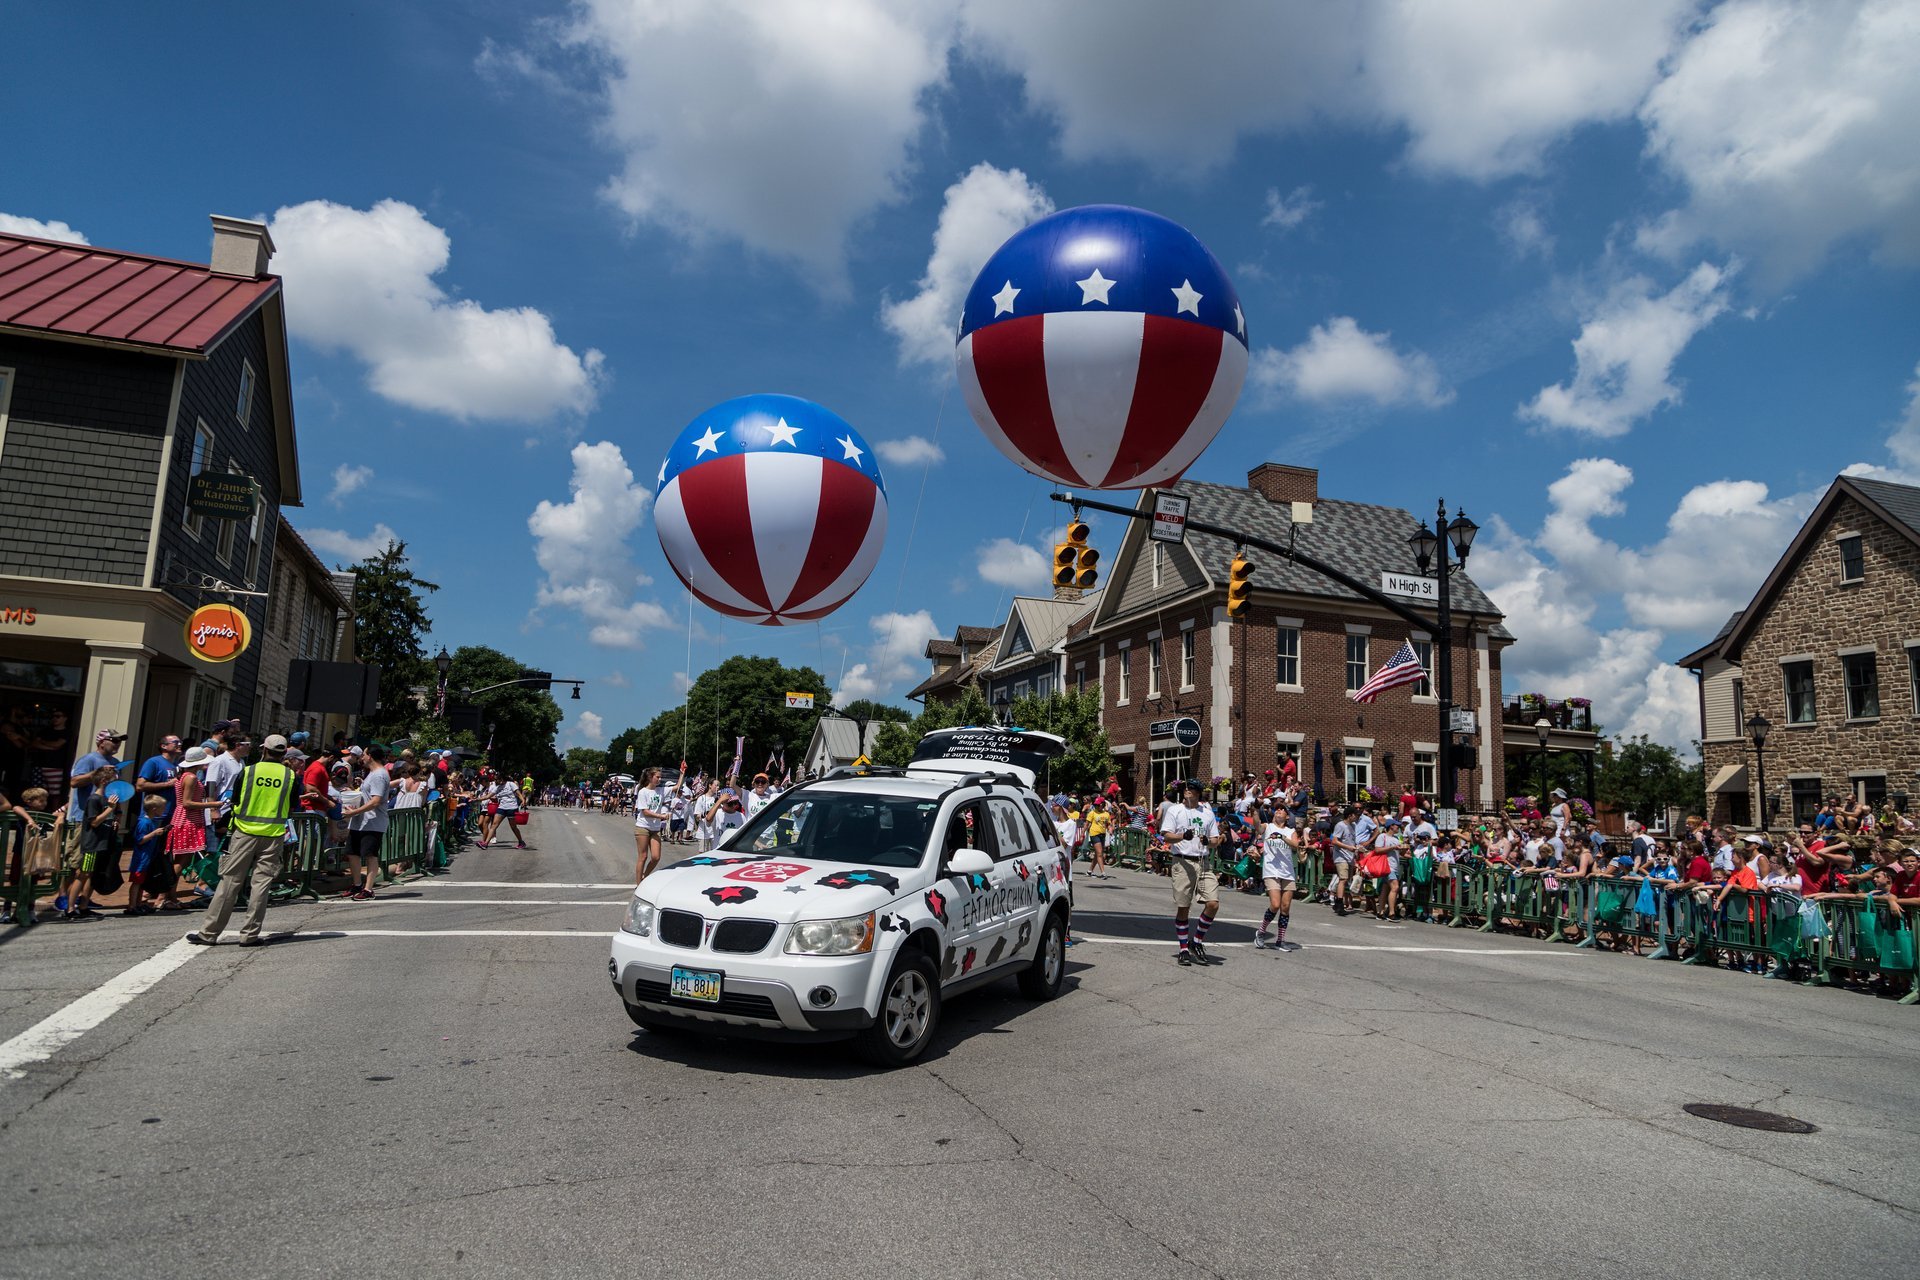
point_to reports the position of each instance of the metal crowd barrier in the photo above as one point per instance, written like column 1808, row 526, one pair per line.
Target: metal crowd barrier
column 23, row 886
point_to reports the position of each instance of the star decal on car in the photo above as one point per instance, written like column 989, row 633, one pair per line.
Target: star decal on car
column 722, row 895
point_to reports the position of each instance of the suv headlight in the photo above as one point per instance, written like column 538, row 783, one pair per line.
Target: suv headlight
column 639, row 919
column 849, row 937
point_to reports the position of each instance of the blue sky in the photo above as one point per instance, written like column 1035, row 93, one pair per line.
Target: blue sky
column 1631, row 282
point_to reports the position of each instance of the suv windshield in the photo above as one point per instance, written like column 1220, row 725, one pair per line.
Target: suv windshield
column 842, row 826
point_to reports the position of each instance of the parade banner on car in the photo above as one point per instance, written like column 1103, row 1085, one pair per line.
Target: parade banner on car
column 218, row 633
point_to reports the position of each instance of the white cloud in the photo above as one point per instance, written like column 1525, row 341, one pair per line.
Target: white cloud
column 348, row 479
column 587, row 730
column 898, row 652
column 1624, row 356
column 981, row 210
column 616, row 680
column 1791, row 124
column 682, row 682
column 1599, row 619
column 581, row 545
column 1006, row 563
column 911, row 451
column 345, row 547
column 1289, row 211
column 1341, row 361
column 15, row 225
column 362, row 281
column 777, row 125
column 1903, row 444
column 1523, row 226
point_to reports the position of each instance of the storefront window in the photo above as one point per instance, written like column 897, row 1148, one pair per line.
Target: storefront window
column 1359, row 766
column 1170, row 769
column 39, row 707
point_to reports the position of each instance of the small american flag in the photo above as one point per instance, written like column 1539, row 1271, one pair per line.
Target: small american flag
column 1402, row 668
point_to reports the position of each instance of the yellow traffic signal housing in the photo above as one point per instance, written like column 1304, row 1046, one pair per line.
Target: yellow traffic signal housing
column 1064, row 555
column 1074, row 562
column 1239, row 587
column 1085, row 572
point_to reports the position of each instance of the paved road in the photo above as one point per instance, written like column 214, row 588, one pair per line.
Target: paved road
column 441, row 1083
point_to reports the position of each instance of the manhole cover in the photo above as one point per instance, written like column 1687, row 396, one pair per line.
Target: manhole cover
column 1747, row 1118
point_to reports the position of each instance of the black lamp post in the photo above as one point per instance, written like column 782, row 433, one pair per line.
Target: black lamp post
column 1427, row 543
column 442, row 662
column 1540, row 730
column 1758, row 726
column 1004, row 705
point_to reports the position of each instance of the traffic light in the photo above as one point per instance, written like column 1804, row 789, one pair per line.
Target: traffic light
column 1239, row 586
column 1074, row 562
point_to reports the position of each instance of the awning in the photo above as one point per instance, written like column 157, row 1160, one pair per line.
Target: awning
column 1732, row 777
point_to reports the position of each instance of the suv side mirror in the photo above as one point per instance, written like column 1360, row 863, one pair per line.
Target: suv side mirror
column 968, row 862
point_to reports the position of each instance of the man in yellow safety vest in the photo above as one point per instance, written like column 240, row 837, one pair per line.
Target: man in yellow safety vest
column 262, row 797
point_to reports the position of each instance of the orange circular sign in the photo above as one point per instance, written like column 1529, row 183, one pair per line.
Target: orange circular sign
column 218, row 633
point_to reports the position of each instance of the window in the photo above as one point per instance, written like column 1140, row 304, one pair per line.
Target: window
column 1021, row 689
column 1806, row 799
column 1186, row 659
column 243, row 407
column 1871, row 788
column 229, row 529
column 202, row 459
column 1044, row 685
column 1153, row 668
column 1863, row 686
column 256, row 539
column 1126, row 674
column 1356, row 662
column 1080, row 677
column 1358, row 760
column 1170, row 767
column 1799, row 680
column 1285, row 751
column 1425, row 769
column 1012, row 836
column 1739, row 704
column 1423, row 650
column 1853, row 560
column 1913, row 676
column 1286, row 670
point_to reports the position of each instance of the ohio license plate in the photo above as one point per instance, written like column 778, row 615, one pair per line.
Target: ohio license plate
column 694, row 984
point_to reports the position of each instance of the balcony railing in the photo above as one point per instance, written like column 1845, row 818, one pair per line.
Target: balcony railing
column 1559, row 714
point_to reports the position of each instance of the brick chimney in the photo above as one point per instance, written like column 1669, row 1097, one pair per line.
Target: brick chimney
column 240, row 248
column 1283, row 484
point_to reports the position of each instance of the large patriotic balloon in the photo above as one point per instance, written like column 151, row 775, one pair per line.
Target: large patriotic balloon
column 1102, row 348
column 771, row 508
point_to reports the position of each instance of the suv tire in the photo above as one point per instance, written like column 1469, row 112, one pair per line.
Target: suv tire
column 1041, row 980
column 908, row 1015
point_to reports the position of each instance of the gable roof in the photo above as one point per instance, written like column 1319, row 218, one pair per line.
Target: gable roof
column 963, row 672
column 1043, row 621
column 1362, row 538
column 1897, row 505
column 1699, row 656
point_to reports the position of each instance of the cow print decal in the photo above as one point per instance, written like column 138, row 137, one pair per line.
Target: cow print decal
column 999, row 947
column 1021, row 867
column 937, row 905
column 891, row 922
column 1026, row 935
column 966, row 961
column 1041, row 885
column 859, row 879
column 946, row 970
column 730, row 893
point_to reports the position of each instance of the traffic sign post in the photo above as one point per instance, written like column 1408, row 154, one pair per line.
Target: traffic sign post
column 1169, row 518
column 799, row 702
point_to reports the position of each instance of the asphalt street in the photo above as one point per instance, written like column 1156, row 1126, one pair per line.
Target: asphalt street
column 443, row 1083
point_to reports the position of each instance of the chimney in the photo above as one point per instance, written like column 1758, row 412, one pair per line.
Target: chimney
column 1283, row 484
column 1066, row 595
column 240, row 248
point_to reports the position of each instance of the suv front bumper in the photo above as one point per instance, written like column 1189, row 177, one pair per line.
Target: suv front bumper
column 764, row 996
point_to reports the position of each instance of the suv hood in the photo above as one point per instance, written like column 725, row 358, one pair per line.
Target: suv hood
column 770, row 886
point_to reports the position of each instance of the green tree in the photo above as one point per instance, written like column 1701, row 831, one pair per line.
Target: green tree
column 742, row 697
column 1646, row 778
column 1074, row 716
column 583, row 764
column 869, row 710
column 389, row 619
column 894, row 744
column 521, row 719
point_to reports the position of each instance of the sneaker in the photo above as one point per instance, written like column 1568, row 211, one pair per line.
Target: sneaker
column 199, row 939
column 1260, row 941
column 522, row 845
column 1199, row 953
column 253, row 942
column 1186, row 956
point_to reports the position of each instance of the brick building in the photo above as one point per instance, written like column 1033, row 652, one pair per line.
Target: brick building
column 1160, row 649
column 1828, row 653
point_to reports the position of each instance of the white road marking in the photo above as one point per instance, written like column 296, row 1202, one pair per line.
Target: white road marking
column 474, row 902
column 1170, row 945
column 590, row 839
column 443, row 933
column 56, row 1031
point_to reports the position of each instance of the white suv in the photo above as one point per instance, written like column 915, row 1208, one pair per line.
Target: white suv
column 853, row 906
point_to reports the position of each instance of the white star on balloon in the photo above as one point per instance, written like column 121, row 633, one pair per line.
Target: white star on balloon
column 1003, row 300
column 663, row 471
column 708, row 443
column 1239, row 320
column 853, row 451
column 1094, row 288
column 1188, row 297
column 783, row 434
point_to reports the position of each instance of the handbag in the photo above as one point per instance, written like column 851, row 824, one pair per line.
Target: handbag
column 1376, row 866
column 1812, row 923
column 519, row 817
column 42, row 852
column 1645, row 904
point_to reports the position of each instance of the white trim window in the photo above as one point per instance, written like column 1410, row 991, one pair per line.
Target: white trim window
column 1286, row 652
column 1154, row 661
column 1122, row 658
column 1186, row 660
column 1863, row 685
column 243, row 405
column 1425, row 771
column 1357, row 669
column 202, row 460
column 1853, row 558
column 1798, row 678
column 1423, row 649
column 1358, row 764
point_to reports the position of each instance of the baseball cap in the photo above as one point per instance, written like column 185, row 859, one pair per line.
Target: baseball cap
column 1751, row 839
column 274, row 743
column 109, row 735
column 300, row 737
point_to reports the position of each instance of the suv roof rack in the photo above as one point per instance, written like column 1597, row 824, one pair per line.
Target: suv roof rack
column 861, row 771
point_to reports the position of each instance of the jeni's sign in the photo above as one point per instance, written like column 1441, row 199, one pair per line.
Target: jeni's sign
column 218, row 633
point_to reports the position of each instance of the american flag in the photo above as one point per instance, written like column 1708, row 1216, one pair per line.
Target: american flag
column 1402, row 668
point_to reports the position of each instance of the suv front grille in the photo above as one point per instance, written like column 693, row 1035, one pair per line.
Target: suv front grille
column 733, row 1004
column 743, row 937
column 680, row 928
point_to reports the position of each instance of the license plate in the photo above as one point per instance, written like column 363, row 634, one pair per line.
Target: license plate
column 695, row 984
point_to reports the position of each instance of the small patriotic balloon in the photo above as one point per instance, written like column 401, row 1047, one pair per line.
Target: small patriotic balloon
column 1102, row 348
column 771, row 508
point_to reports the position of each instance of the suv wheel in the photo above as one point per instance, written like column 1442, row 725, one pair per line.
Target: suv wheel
column 1041, row 980
column 909, row 1012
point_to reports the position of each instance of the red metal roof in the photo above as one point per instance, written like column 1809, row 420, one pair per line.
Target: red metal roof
column 76, row 291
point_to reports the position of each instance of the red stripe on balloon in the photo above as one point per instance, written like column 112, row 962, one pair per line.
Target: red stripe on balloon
column 1177, row 362
column 714, row 494
column 1010, row 359
column 846, row 512
column 732, row 611
column 808, row 615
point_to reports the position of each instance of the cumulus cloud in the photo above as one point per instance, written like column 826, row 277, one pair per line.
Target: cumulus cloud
column 15, row 225
column 581, row 546
column 910, row 451
column 1341, row 361
column 587, row 730
column 1006, row 563
column 1791, row 124
column 363, row 281
column 1289, row 211
column 981, row 210
column 345, row 547
column 1523, row 226
column 1903, row 443
column 898, row 652
column 1624, row 356
column 1604, row 619
column 348, row 479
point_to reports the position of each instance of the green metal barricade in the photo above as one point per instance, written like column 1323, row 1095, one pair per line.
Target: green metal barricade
column 1866, row 938
column 306, row 856
column 1128, row 848
column 438, row 855
column 1520, row 900
column 24, row 886
column 1444, row 893
column 404, row 843
column 1753, row 925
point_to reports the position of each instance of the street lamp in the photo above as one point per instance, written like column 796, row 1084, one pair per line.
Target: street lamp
column 1541, row 728
column 442, row 662
column 1758, row 726
column 1427, row 543
column 1004, row 704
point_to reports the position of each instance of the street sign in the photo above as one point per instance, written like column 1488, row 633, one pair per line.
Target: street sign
column 1184, row 730
column 1412, row 586
column 1462, row 721
column 799, row 702
column 1169, row 518
column 861, row 762
column 1446, row 819
column 221, row 495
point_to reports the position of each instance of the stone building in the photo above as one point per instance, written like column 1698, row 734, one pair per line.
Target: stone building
column 1828, row 654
